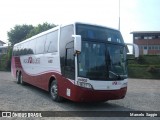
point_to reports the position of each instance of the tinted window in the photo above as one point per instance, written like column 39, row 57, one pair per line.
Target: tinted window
column 69, row 61
column 70, row 54
column 90, row 32
column 22, row 49
column 25, row 48
column 52, row 42
column 15, row 51
column 18, row 50
column 31, row 47
column 100, row 61
column 40, row 42
column 65, row 38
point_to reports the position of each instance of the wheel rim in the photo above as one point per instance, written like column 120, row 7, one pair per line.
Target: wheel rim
column 17, row 77
column 21, row 79
column 54, row 91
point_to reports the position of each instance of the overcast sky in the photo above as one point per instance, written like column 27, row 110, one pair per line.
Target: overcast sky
column 136, row 15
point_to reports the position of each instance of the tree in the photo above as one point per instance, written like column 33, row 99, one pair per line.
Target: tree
column 40, row 28
column 22, row 32
column 19, row 33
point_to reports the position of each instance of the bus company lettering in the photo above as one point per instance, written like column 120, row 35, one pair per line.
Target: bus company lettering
column 116, row 83
column 82, row 79
column 31, row 60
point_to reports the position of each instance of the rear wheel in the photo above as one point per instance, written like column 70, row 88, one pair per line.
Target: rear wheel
column 54, row 92
column 17, row 78
column 21, row 80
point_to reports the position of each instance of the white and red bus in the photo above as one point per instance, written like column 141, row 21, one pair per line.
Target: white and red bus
column 80, row 62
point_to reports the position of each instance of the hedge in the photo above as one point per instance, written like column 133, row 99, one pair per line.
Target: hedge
column 146, row 67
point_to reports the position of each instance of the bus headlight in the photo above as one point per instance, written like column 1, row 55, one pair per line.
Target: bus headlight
column 85, row 85
column 124, row 85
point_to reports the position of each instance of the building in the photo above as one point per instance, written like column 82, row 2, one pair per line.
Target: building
column 2, row 43
column 3, row 49
column 148, row 42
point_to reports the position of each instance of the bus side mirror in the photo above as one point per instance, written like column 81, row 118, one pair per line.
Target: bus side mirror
column 132, row 49
column 77, row 43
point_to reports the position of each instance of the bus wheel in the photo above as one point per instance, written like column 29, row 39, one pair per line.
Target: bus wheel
column 54, row 92
column 17, row 78
column 21, row 80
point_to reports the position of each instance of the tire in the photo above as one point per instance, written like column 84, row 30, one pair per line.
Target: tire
column 17, row 78
column 54, row 92
column 21, row 79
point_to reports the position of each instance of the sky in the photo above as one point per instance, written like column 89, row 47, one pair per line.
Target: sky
column 135, row 15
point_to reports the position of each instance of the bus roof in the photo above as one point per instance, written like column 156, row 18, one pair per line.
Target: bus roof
column 38, row 35
column 85, row 23
column 96, row 25
column 57, row 27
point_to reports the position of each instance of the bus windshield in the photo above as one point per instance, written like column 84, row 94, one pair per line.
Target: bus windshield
column 101, row 34
column 102, row 58
column 100, row 61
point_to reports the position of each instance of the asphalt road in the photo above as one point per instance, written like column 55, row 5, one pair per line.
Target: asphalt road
column 142, row 95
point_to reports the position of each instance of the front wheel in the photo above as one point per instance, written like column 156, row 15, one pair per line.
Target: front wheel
column 54, row 92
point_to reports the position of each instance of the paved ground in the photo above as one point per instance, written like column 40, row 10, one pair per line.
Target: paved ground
column 142, row 95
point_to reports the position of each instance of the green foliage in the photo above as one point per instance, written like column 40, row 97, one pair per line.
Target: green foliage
column 153, row 69
column 5, row 60
column 22, row 32
column 146, row 60
column 147, row 66
column 9, row 57
column 142, row 72
column 3, row 64
column 40, row 28
column 19, row 33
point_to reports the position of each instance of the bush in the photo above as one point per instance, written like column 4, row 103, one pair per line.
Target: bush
column 152, row 69
column 141, row 72
column 5, row 60
column 147, row 67
column 8, row 62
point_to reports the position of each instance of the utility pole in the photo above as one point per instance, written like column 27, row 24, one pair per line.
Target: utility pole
column 119, row 17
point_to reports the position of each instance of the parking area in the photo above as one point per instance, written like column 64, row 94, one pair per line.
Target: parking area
column 142, row 95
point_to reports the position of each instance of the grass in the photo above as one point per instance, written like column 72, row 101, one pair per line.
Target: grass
column 143, row 72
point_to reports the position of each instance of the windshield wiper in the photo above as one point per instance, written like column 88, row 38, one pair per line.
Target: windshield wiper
column 117, row 76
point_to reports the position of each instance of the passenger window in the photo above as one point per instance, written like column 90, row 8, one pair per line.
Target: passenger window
column 30, row 49
column 40, row 42
column 52, row 42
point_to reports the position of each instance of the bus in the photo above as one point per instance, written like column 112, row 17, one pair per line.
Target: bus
column 79, row 61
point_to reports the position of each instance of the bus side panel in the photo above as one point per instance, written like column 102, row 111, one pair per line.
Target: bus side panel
column 13, row 67
column 38, row 69
column 29, row 79
column 16, row 65
column 47, row 76
column 41, row 80
column 66, row 87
